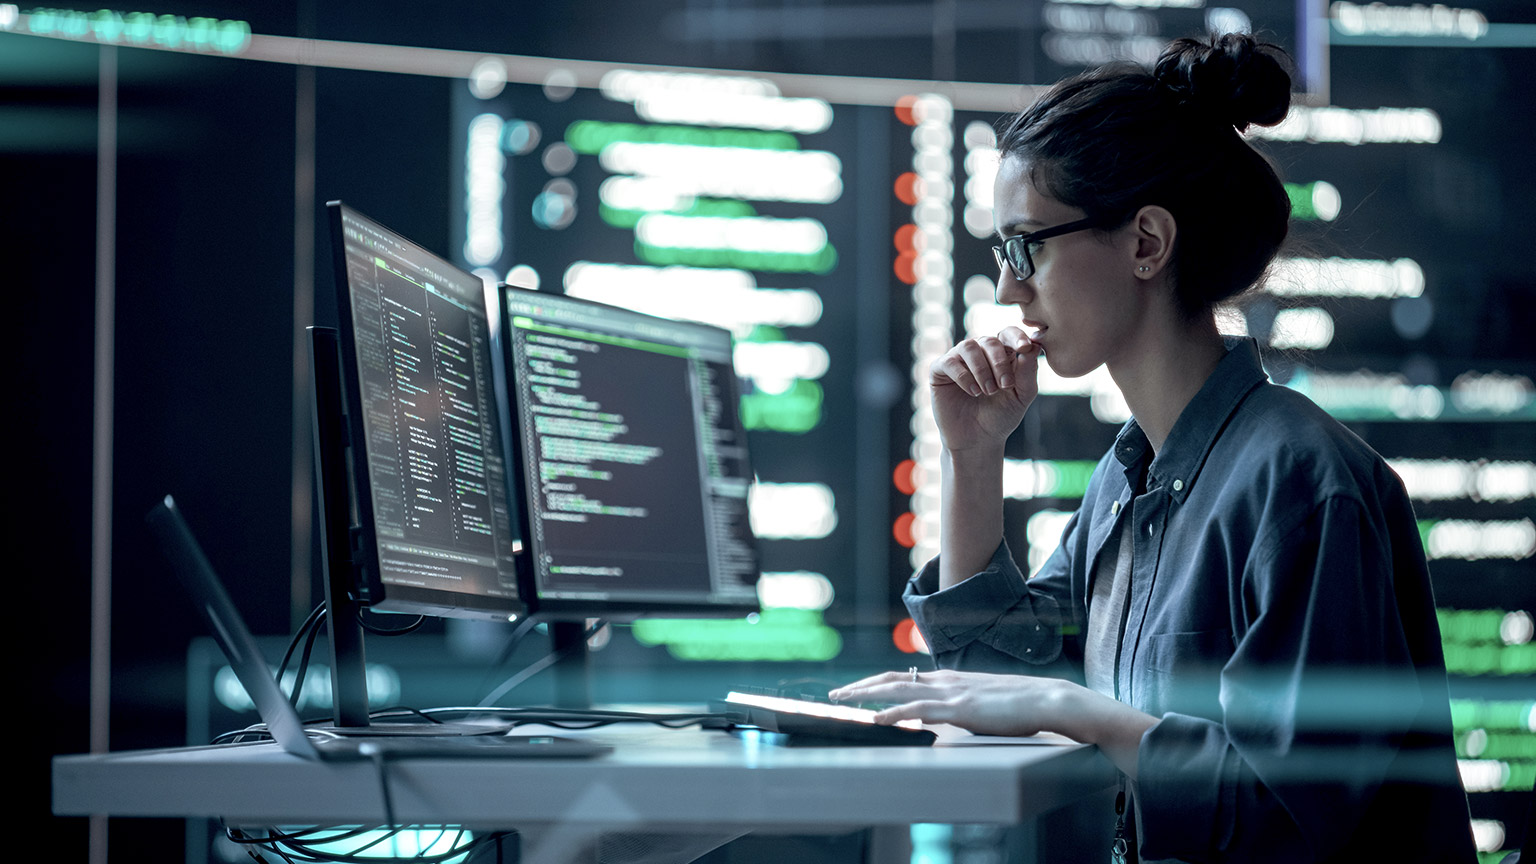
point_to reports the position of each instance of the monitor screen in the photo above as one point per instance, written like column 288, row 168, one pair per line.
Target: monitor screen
column 427, row 465
column 634, row 474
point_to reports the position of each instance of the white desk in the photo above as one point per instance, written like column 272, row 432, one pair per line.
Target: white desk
column 655, row 780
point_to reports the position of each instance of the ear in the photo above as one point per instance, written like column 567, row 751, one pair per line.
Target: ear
column 1155, row 232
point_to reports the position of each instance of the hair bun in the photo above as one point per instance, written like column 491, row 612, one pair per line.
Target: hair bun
column 1232, row 77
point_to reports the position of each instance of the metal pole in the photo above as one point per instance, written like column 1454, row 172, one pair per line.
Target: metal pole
column 302, row 487
column 101, row 450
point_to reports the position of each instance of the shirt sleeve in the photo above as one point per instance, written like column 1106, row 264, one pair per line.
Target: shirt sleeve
column 1328, row 727
column 997, row 621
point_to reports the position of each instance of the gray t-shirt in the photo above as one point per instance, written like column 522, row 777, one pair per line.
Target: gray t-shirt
column 1106, row 611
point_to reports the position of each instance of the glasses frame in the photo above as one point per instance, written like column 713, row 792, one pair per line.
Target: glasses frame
column 1017, row 246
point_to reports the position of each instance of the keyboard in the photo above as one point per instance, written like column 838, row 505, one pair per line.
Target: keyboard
column 805, row 723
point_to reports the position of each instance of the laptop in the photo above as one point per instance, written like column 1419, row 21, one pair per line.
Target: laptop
column 282, row 721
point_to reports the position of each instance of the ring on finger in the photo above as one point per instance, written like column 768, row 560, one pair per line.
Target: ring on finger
column 912, row 670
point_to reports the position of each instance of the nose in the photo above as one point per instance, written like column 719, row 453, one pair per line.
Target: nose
column 1010, row 289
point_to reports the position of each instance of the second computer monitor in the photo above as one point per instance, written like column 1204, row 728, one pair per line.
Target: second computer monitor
column 634, row 474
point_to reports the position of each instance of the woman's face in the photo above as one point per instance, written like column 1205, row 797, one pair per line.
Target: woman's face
column 1083, row 302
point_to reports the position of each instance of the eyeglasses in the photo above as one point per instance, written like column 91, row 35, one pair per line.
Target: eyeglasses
column 1016, row 252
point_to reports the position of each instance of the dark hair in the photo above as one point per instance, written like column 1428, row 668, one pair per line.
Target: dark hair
column 1115, row 139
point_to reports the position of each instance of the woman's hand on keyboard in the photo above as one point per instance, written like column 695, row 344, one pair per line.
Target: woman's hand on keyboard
column 1014, row 705
column 980, row 702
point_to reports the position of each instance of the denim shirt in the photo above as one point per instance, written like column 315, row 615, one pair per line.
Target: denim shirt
column 1280, row 626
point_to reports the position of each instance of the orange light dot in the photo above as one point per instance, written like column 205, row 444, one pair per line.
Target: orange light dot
column 906, row 238
column 902, row 530
column 904, row 107
column 906, row 188
column 909, row 639
column 905, row 476
column 906, row 267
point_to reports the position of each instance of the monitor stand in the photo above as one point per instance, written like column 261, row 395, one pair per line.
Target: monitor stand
column 349, row 677
column 573, row 675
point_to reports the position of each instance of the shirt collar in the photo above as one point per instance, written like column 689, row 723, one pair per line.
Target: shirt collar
column 1195, row 431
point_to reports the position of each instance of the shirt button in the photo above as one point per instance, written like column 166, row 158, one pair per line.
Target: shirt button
column 1178, row 485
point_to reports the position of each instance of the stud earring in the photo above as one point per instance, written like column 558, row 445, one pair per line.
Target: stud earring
column 1143, row 269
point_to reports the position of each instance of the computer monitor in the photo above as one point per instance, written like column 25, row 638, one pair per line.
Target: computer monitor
column 491, row 454
column 433, row 532
column 409, row 451
column 632, row 466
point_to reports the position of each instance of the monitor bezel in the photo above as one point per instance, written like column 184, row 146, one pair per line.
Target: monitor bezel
column 567, row 609
column 366, row 578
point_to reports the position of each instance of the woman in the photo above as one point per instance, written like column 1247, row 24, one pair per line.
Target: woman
column 1243, row 594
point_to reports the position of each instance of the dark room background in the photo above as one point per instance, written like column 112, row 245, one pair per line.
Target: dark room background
column 1405, row 307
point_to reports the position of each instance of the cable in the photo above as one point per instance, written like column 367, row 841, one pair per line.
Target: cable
column 564, row 718
column 309, row 631
column 376, row 754
column 254, row 732
column 303, row 670
column 531, row 670
column 523, row 628
column 395, row 712
column 538, row 666
column 299, row 836
column 307, row 846
column 310, row 628
column 317, row 613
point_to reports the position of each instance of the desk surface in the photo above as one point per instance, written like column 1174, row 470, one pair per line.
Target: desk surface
column 655, row 777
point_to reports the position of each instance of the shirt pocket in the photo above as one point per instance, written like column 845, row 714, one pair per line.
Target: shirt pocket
column 1182, row 672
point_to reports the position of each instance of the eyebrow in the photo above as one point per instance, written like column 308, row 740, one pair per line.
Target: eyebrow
column 1012, row 228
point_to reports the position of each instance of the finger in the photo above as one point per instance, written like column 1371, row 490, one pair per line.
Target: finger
column 1017, row 339
column 982, row 358
column 989, row 360
column 1000, row 357
column 1026, row 367
column 952, row 369
column 863, row 684
column 893, row 692
column 866, row 692
column 924, row 710
column 879, row 683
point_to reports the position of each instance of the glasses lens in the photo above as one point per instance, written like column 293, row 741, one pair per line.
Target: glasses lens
column 1016, row 251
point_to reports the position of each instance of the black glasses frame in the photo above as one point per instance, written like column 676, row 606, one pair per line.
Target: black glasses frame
column 1014, row 251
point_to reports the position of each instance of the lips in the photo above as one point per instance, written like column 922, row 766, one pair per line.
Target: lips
column 1033, row 330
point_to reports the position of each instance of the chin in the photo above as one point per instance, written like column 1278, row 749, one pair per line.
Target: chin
column 1063, row 364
